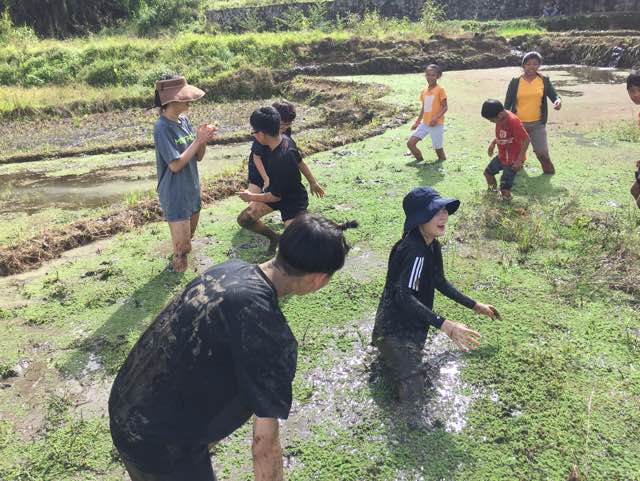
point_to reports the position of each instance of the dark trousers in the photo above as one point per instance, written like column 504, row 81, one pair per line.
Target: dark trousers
column 402, row 361
column 198, row 470
column 508, row 174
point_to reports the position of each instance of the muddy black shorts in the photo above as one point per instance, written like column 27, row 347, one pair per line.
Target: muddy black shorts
column 289, row 209
column 197, row 469
column 638, row 176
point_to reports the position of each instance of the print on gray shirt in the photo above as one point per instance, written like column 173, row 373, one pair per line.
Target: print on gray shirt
column 179, row 192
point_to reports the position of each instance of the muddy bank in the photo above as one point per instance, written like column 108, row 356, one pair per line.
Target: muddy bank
column 358, row 56
column 350, row 56
column 347, row 121
column 366, row 56
column 595, row 50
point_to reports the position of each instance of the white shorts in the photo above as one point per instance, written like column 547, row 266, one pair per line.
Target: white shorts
column 436, row 133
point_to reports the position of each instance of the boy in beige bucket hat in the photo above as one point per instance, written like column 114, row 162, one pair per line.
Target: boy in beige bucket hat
column 178, row 149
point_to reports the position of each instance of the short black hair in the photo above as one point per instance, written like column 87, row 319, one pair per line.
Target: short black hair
column 530, row 56
column 286, row 110
column 313, row 244
column 633, row 80
column 491, row 108
column 434, row 66
column 267, row 120
column 156, row 100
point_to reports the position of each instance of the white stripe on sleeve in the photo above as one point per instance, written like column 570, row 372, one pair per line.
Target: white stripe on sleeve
column 415, row 273
column 416, row 283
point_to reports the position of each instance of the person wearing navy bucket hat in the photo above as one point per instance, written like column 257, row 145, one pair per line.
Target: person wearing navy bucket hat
column 405, row 312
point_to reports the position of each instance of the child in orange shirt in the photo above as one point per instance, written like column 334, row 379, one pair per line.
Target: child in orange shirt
column 430, row 121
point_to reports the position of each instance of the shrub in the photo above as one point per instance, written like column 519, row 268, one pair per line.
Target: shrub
column 9, row 33
column 53, row 66
column 432, row 16
column 105, row 72
column 156, row 15
column 292, row 19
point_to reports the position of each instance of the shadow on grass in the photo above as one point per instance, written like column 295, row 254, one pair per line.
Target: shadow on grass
column 108, row 346
column 540, row 186
column 431, row 172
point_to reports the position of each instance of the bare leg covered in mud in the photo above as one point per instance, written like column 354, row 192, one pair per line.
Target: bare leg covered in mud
column 412, row 145
column 250, row 219
column 545, row 162
column 402, row 361
column 182, row 232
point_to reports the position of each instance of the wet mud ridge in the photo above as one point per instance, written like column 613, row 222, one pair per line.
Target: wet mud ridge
column 345, row 121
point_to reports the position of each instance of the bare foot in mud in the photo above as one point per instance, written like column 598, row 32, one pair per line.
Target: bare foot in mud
column 179, row 263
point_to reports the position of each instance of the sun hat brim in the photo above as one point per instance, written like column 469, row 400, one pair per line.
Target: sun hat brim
column 425, row 215
column 177, row 90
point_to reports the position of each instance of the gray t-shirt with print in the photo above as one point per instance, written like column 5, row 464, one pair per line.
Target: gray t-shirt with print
column 179, row 192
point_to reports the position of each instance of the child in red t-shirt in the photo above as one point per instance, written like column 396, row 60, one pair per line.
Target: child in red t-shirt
column 633, row 88
column 512, row 141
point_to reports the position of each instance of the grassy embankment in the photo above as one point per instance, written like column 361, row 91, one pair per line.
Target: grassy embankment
column 112, row 72
column 556, row 382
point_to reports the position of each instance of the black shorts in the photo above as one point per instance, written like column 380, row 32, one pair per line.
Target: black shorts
column 289, row 209
column 638, row 176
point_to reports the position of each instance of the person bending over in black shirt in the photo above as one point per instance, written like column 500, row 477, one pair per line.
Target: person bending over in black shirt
column 219, row 353
column 285, row 191
column 405, row 311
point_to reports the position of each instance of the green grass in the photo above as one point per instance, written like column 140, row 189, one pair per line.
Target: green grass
column 121, row 69
column 555, row 383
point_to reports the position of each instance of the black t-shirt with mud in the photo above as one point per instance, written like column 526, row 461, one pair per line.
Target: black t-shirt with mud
column 218, row 353
column 284, row 174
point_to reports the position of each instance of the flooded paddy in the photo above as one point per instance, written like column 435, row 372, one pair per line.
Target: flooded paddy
column 52, row 135
column 545, row 372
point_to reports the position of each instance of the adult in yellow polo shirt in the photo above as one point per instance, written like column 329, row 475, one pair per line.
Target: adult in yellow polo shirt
column 527, row 98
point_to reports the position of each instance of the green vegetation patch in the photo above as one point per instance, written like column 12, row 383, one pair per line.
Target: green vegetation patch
column 555, row 383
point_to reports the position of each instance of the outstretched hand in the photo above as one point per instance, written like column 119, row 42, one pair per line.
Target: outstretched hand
column 557, row 104
column 488, row 310
column 466, row 339
column 316, row 189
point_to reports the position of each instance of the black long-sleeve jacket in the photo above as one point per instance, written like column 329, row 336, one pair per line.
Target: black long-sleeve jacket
column 406, row 307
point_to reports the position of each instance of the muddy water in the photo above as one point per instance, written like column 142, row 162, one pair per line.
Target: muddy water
column 332, row 398
column 99, row 181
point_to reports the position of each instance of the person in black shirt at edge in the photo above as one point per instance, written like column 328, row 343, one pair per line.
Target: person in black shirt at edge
column 285, row 192
column 258, row 179
column 405, row 311
column 219, row 353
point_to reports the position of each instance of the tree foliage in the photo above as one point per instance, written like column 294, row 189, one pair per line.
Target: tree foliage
column 58, row 18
